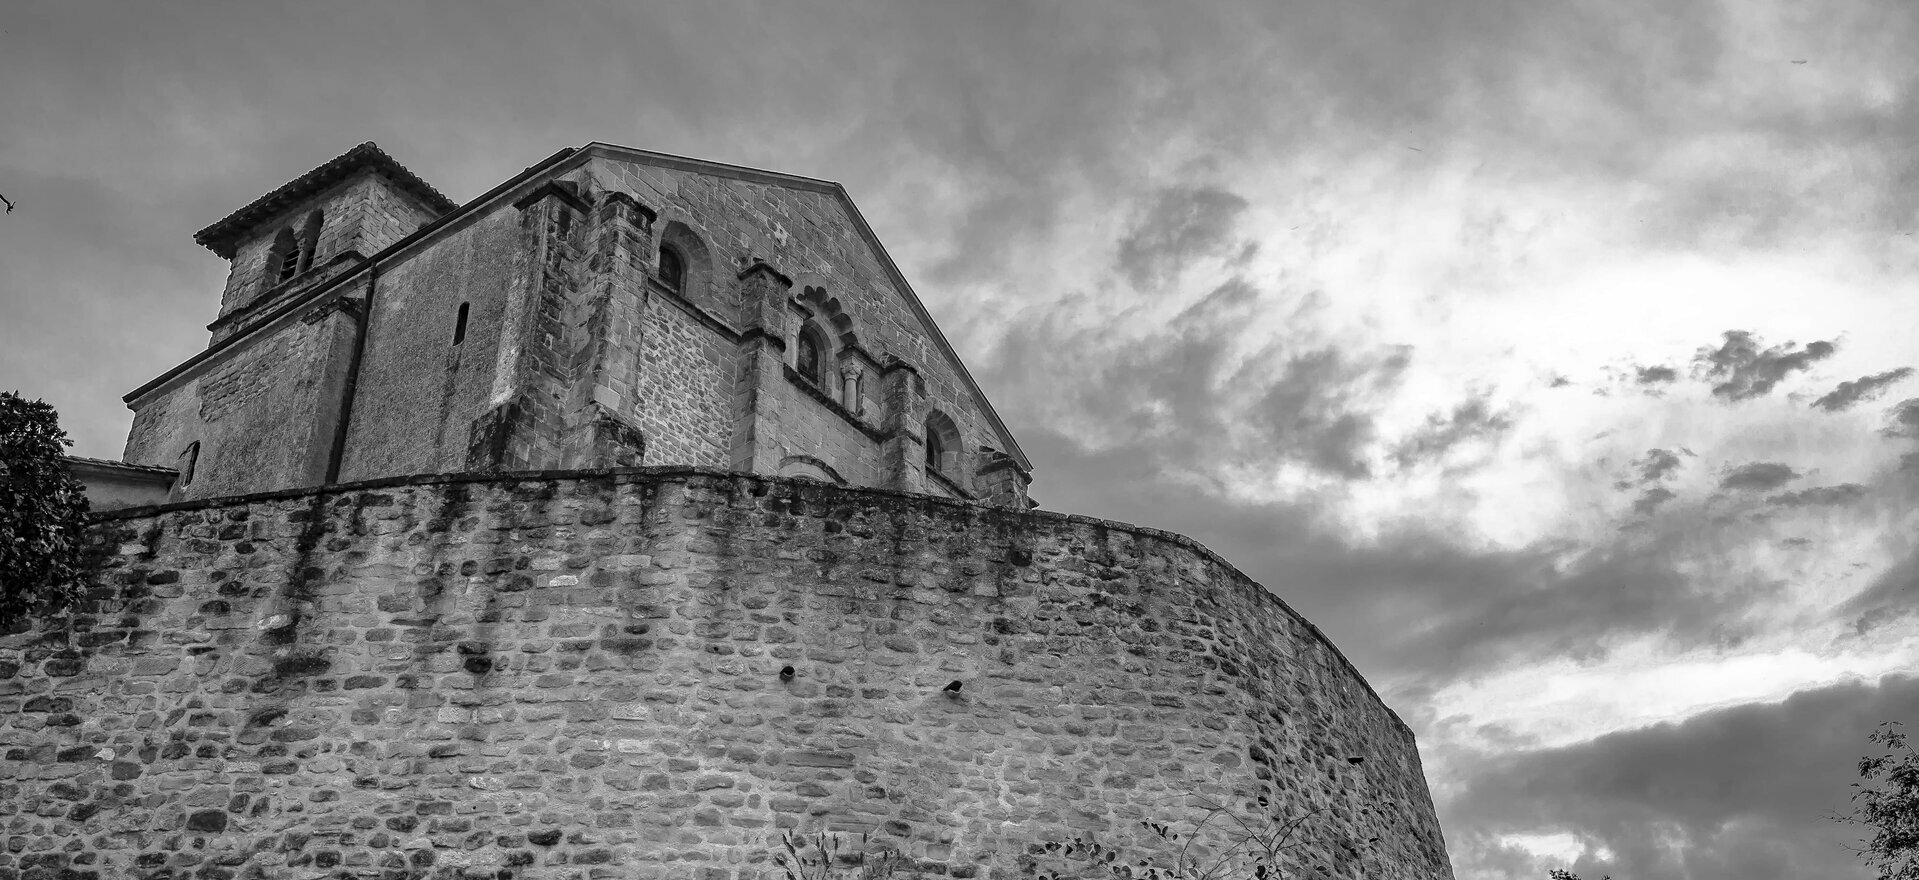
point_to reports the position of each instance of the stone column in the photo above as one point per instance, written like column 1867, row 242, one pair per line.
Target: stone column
column 850, row 389
column 762, row 359
column 526, row 416
column 602, row 427
column 1001, row 482
column 335, row 327
column 903, row 454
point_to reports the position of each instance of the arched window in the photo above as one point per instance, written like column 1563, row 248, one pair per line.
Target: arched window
column 686, row 267
column 810, row 355
column 309, row 240
column 672, row 269
column 285, row 256
column 942, row 445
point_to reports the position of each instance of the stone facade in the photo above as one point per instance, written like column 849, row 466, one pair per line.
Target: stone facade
column 608, row 307
column 655, row 673
column 112, row 485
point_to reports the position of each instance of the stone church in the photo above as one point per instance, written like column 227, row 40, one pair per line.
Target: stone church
column 549, row 537
column 606, row 307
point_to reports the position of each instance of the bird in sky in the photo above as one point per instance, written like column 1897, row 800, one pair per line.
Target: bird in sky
column 9, row 203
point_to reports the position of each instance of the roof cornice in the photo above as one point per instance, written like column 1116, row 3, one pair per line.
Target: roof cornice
column 223, row 236
column 554, row 164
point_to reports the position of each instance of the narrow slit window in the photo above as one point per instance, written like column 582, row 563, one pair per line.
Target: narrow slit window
column 459, row 325
column 189, row 457
column 935, row 451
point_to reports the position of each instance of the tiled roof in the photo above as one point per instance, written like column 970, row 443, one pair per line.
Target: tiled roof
column 118, row 465
column 222, row 237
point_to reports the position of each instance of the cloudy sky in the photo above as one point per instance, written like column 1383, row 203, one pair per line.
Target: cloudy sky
column 1569, row 344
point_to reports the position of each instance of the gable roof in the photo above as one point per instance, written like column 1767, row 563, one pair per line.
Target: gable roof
column 757, row 175
column 223, row 236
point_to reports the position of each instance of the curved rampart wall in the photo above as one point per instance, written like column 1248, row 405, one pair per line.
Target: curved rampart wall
column 578, row 675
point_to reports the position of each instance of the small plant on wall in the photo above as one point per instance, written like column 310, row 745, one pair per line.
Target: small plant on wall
column 820, row 857
column 1223, row 844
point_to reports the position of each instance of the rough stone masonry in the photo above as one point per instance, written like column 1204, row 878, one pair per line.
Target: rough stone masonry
column 653, row 673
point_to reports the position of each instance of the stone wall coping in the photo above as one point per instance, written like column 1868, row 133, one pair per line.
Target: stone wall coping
column 664, row 474
column 951, row 485
column 271, row 299
column 819, row 394
column 694, row 310
column 762, row 266
column 577, row 202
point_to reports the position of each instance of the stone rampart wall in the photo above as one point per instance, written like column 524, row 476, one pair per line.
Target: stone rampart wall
column 579, row 676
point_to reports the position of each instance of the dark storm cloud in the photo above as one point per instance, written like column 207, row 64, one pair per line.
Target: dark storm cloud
column 1178, row 389
column 1472, row 420
column 1758, row 476
column 1657, row 464
column 1309, row 413
column 1819, row 496
column 1903, row 419
column 1744, row 370
column 1180, row 225
column 1157, row 413
column 1891, row 595
column 1649, row 502
column 1651, row 376
column 1456, row 609
column 1016, row 109
column 1863, row 388
column 1741, row 793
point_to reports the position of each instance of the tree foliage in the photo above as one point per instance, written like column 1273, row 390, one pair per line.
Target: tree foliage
column 43, row 511
column 1887, row 801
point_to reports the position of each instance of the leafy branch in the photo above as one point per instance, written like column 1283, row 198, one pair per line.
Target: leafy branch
column 819, row 857
column 1887, row 801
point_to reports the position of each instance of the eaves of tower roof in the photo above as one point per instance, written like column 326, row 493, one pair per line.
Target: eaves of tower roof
column 222, row 237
